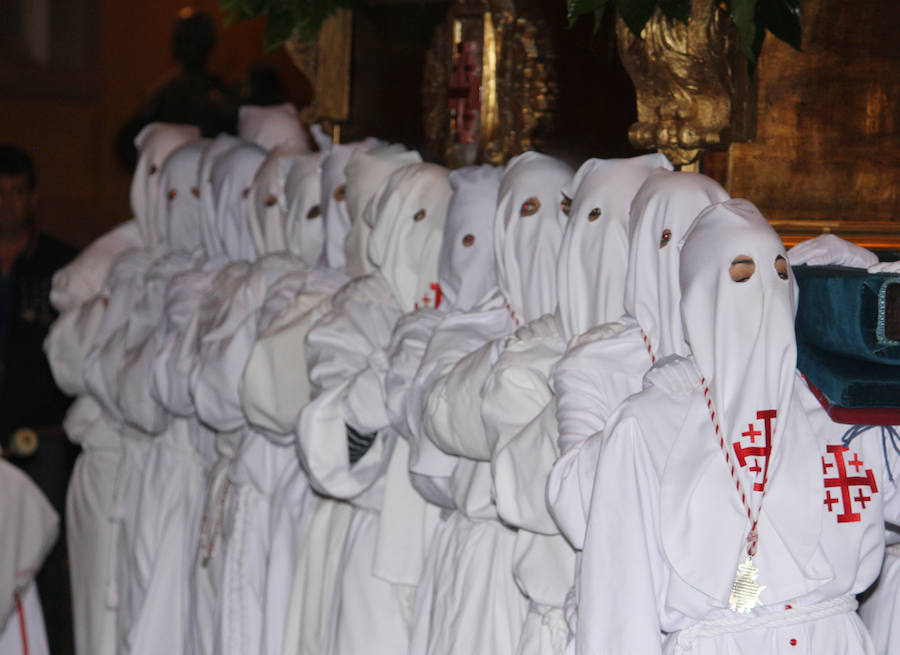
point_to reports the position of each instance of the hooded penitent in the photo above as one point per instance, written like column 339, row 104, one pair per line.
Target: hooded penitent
column 593, row 258
column 473, row 545
column 272, row 127
column 606, row 365
column 409, row 213
column 231, row 179
column 366, row 172
column 661, row 214
column 202, row 189
column 466, row 275
column 466, row 269
column 333, row 198
column 154, row 143
column 737, row 307
column 178, row 218
column 722, row 457
column 303, row 230
column 267, row 202
column 344, row 435
column 528, row 228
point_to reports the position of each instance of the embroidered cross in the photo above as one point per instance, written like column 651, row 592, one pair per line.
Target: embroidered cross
column 844, row 482
column 751, row 432
column 438, row 296
column 764, row 450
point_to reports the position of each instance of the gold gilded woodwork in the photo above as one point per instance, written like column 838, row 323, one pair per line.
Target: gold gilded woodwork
column 693, row 89
column 489, row 109
column 518, row 89
column 874, row 235
column 826, row 157
column 326, row 63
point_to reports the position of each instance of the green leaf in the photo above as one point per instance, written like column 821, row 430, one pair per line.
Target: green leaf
column 677, row 9
column 279, row 27
column 636, row 13
column 743, row 13
column 782, row 19
column 576, row 8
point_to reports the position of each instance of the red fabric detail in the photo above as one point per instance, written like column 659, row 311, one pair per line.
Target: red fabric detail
column 438, row 295
column 23, row 628
column 844, row 482
column 856, row 415
column 763, row 451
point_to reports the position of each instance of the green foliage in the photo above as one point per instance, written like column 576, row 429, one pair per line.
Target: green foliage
column 752, row 18
column 284, row 17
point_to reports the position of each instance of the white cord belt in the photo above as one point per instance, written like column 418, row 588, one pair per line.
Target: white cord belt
column 685, row 639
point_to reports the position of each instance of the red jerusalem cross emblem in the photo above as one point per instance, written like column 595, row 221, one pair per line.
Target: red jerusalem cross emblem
column 427, row 299
column 757, row 452
column 844, row 483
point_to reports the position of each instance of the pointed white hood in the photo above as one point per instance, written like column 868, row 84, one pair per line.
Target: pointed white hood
column 178, row 215
column 738, row 302
column 203, row 189
column 528, row 229
column 409, row 214
column 366, row 172
column 276, row 126
column 154, row 143
column 663, row 210
column 230, row 180
column 267, row 202
column 466, row 268
column 593, row 257
column 333, row 197
column 303, row 231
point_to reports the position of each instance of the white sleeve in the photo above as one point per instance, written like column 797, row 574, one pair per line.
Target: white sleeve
column 622, row 570
column 68, row 342
column 590, row 381
column 346, row 364
column 452, row 413
column 275, row 385
column 520, row 419
column 85, row 276
column 830, row 249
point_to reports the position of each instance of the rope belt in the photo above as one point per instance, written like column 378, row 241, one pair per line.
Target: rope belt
column 733, row 623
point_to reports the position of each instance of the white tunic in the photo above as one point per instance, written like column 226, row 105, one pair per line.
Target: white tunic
column 345, row 351
column 670, row 511
column 30, row 528
column 487, row 615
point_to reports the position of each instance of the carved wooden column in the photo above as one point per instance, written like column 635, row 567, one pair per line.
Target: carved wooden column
column 488, row 83
column 693, row 88
column 326, row 63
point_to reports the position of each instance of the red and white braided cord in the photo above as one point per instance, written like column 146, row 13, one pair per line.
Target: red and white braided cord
column 649, row 347
column 753, row 536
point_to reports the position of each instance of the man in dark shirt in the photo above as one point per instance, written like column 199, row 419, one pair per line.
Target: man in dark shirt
column 30, row 403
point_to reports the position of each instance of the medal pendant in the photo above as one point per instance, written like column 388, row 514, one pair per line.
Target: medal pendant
column 745, row 589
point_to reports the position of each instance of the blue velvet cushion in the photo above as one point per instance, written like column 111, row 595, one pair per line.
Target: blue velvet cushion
column 849, row 382
column 847, row 312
